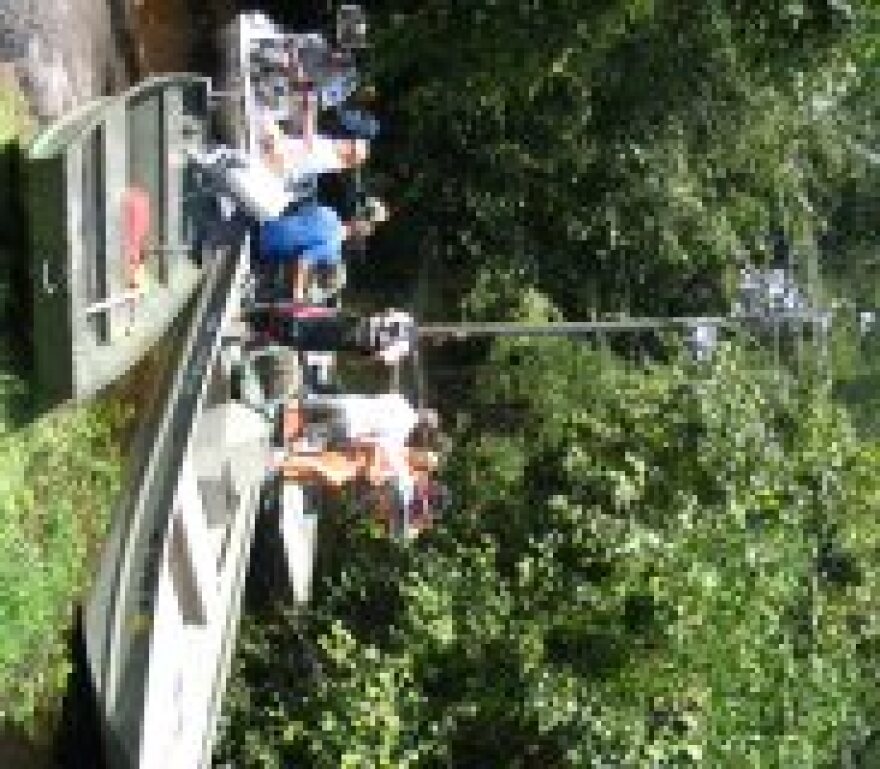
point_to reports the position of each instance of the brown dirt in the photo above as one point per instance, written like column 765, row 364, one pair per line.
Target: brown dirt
column 173, row 36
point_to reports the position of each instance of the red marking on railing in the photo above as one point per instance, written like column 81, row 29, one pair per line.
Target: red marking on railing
column 135, row 229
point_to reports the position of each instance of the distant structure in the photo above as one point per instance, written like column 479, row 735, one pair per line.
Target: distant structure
column 701, row 341
column 769, row 293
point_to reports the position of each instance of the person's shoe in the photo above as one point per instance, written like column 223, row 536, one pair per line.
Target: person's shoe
column 226, row 207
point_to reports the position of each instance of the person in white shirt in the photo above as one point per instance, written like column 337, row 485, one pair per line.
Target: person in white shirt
column 397, row 436
column 380, row 439
column 295, row 158
column 266, row 180
column 266, row 183
column 388, row 419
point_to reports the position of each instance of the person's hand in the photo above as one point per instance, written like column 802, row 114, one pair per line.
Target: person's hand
column 273, row 155
column 394, row 353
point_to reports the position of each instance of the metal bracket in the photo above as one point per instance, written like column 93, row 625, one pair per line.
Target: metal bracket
column 48, row 287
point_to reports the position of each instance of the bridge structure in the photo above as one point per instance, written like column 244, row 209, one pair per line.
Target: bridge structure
column 83, row 172
column 162, row 618
column 121, row 259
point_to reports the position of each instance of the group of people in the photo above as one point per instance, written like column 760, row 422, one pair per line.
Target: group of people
column 266, row 181
column 379, row 444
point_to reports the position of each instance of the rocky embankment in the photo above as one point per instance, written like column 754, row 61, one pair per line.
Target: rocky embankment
column 60, row 53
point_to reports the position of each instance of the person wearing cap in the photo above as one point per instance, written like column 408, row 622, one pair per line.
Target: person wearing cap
column 312, row 237
column 355, row 118
column 357, row 123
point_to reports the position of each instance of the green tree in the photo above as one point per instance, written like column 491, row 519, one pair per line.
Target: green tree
column 616, row 155
column 672, row 567
column 668, row 566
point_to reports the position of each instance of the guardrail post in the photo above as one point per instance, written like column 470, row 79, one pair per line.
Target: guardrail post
column 67, row 284
column 175, row 160
column 116, row 182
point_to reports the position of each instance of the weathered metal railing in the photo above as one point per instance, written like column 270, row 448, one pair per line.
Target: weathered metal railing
column 83, row 171
column 162, row 618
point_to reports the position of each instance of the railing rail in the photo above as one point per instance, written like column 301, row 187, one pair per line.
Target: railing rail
column 120, row 629
column 101, row 179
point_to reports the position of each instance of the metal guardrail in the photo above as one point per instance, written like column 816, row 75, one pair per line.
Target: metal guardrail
column 128, row 613
column 80, row 170
column 161, row 621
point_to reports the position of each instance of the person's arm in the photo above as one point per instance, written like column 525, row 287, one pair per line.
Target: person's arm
column 271, row 146
column 309, row 118
column 315, row 254
column 308, row 101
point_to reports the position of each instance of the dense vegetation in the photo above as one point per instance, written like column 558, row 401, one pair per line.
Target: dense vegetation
column 58, row 481
column 674, row 567
column 654, row 564
column 622, row 155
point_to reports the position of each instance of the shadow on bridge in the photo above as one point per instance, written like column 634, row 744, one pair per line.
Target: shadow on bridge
column 79, row 742
column 16, row 307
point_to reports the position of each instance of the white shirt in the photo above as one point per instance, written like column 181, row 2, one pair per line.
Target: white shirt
column 253, row 186
column 388, row 418
column 301, row 161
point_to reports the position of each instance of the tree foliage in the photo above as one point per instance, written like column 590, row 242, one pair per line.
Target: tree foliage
column 663, row 565
column 657, row 568
column 620, row 155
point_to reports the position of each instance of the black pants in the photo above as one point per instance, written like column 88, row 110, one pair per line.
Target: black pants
column 328, row 333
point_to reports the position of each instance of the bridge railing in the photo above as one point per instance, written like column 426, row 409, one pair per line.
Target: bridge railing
column 163, row 615
column 109, row 185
